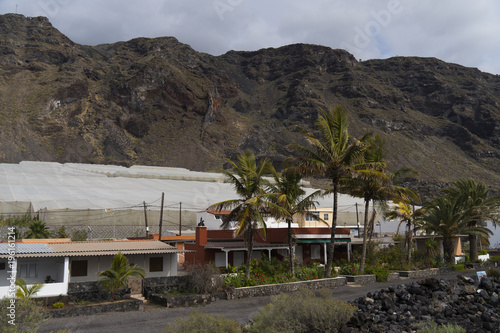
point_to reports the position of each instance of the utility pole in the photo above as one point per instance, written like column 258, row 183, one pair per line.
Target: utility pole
column 161, row 213
column 146, row 220
column 180, row 218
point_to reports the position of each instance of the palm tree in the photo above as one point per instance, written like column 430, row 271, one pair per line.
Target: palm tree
column 118, row 275
column 37, row 229
column 406, row 213
column 292, row 198
column 331, row 155
column 475, row 200
column 248, row 180
column 372, row 183
column 445, row 216
column 24, row 292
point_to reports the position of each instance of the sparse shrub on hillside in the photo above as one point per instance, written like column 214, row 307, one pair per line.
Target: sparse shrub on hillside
column 303, row 311
column 202, row 323
column 432, row 327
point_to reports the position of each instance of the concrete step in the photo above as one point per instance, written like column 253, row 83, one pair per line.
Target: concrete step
column 139, row 297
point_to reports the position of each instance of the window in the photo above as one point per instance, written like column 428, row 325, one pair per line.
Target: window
column 325, row 217
column 79, row 267
column 156, row 264
column 220, row 259
column 28, row 270
column 2, row 266
column 310, row 218
column 315, row 252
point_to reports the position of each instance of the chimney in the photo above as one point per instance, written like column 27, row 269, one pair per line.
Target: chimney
column 201, row 235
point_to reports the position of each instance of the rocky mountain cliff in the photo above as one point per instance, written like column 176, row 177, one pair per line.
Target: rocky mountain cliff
column 159, row 102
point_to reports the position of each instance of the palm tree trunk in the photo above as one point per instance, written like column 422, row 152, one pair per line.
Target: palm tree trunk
column 473, row 251
column 409, row 242
column 448, row 249
column 291, row 252
column 249, row 251
column 331, row 245
column 363, row 254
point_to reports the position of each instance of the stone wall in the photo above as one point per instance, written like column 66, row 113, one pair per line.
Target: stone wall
column 393, row 277
column 275, row 289
column 162, row 285
column 182, row 301
column 91, row 291
column 361, row 279
column 86, row 310
column 424, row 273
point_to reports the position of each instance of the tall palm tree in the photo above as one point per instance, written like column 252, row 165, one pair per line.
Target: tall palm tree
column 372, row 183
column 292, row 198
column 118, row 275
column 248, row 181
column 331, row 155
column 475, row 199
column 446, row 217
column 24, row 292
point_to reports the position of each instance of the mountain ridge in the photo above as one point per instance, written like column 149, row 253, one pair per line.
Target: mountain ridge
column 156, row 101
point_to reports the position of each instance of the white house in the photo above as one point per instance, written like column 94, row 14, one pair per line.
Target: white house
column 57, row 264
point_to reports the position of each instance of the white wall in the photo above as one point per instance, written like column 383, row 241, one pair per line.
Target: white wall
column 101, row 263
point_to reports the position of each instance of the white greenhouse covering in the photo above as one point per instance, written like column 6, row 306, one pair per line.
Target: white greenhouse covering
column 88, row 186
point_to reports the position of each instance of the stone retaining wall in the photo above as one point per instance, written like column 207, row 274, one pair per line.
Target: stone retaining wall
column 361, row 279
column 163, row 285
column 275, row 289
column 178, row 301
column 393, row 277
column 424, row 273
column 86, row 310
column 91, row 291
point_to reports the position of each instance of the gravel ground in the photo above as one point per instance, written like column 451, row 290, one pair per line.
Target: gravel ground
column 154, row 318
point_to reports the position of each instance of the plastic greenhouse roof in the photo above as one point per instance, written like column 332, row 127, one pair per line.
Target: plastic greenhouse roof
column 87, row 186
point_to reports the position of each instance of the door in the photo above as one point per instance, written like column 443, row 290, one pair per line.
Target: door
column 135, row 285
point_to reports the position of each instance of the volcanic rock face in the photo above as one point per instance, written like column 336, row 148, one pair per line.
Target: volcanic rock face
column 405, row 307
column 159, row 102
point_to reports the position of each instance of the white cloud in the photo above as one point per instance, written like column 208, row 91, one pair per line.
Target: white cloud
column 459, row 31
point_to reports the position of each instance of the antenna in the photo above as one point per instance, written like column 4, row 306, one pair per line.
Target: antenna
column 16, row 8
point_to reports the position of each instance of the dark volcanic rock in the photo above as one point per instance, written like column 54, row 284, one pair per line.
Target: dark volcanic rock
column 405, row 307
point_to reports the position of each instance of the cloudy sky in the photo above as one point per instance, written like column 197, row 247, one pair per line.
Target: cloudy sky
column 460, row 31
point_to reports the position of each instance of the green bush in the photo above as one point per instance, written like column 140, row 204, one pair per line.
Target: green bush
column 493, row 273
column 202, row 323
column 483, row 252
column 458, row 267
column 58, row 305
column 302, row 311
column 29, row 315
column 349, row 269
column 432, row 327
column 381, row 272
column 495, row 258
